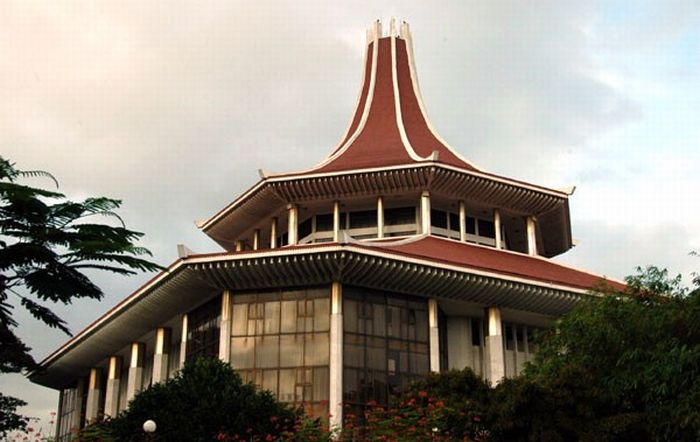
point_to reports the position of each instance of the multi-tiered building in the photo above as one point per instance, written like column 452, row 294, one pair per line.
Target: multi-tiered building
column 393, row 257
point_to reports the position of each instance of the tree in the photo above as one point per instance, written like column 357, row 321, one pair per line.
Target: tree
column 207, row 401
column 46, row 244
column 620, row 366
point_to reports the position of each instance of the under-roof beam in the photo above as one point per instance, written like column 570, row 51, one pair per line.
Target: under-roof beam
column 531, row 235
column 380, row 217
column 114, row 375
column 425, row 212
column 273, row 233
column 336, row 221
column 497, row 227
column 494, row 346
column 293, row 224
column 161, row 354
column 462, row 221
column 434, row 335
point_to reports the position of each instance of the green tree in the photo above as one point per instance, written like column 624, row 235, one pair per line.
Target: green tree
column 46, row 244
column 621, row 366
column 207, row 401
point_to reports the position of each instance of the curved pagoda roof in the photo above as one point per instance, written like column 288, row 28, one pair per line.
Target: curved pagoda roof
column 390, row 147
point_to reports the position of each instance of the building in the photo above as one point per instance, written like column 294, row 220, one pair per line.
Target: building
column 393, row 257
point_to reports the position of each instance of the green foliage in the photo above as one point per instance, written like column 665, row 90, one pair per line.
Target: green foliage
column 446, row 406
column 633, row 361
column 10, row 420
column 45, row 245
column 619, row 367
column 208, row 401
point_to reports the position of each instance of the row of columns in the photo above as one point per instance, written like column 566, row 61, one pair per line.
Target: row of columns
column 134, row 381
column 424, row 223
column 494, row 361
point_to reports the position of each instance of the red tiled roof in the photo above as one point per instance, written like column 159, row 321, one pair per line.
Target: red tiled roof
column 499, row 261
column 378, row 143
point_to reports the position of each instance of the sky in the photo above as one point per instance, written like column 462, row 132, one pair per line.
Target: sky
column 174, row 106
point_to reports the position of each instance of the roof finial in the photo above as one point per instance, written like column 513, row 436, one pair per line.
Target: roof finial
column 404, row 32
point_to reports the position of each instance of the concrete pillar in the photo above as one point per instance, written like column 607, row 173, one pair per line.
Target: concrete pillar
column 336, row 221
column 239, row 245
column 114, row 375
column 380, row 217
column 78, row 403
column 183, row 341
column 462, row 221
column 495, row 348
column 256, row 239
column 531, row 236
column 134, row 383
column 425, row 212
column 225, row 328
column 497, row 227
column 434, row 335
column 59, row 412
column 161, row 354
column 293, row 224
column 92, row 408
column 273, row 233
column 335, row 402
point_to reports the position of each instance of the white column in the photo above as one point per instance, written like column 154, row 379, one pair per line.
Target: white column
column 78, row 402
column 531, row 236
column 336, row 221
column 92, row 408
column 293, row 224
column 434, row 335
column 335, row 399
column 425, row 212
column 462, row 221
column 497, row 227
column 135, row 381
column 183, row 341
column 496, row 363
column 380, row 217
column 256, row 239
column 59, row 412
column 114, row 375
column 273, row 233
column 239, row 245
column 225, row 328
column 161, row 355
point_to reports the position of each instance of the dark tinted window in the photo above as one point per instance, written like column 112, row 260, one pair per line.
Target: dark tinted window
column 438, row 218
column 305, row 228
column 324, row 223
column 486, row 229
column 454, row 222
column 471, row 227
column 364, row 218
column 401, row 215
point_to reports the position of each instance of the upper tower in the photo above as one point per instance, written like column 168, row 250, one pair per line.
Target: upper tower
column 391, row 152
column 389, row 126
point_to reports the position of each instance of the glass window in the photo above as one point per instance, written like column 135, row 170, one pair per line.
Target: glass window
column 324, row 223
column 454, row 222
column 305, row 229
column 385, row 344
column 363, row 219
column 203, row 330
column 280, row 342
column 487, row 229
column 399, row 216
column 438, row 218
column 471, row 225
column 476, row 332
